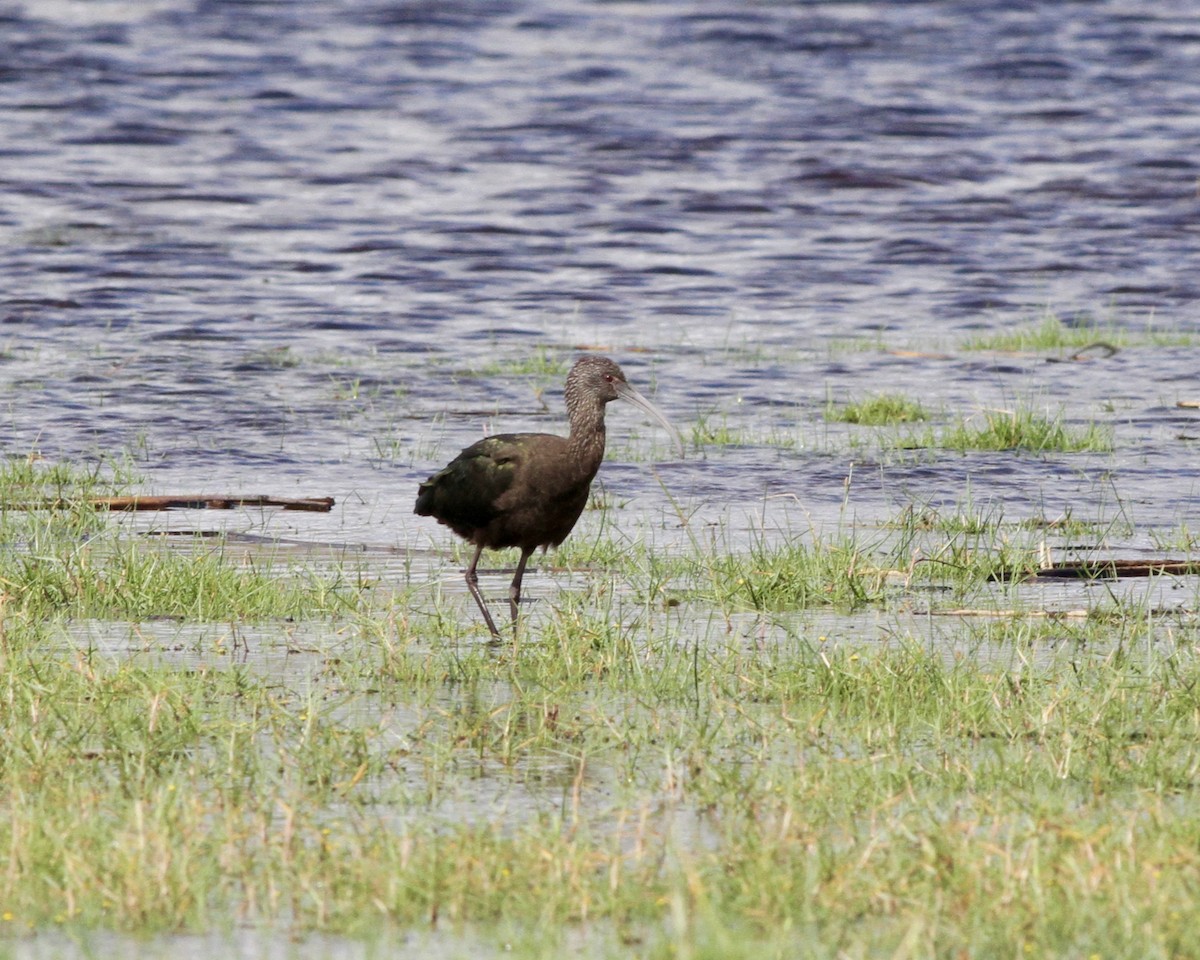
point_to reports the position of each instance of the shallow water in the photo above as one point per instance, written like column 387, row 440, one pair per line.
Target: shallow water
column 275, row 247
column 306, row 250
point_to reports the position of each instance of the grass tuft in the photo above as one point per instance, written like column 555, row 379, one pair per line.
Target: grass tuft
column 1051, row 333
column 74, row 562
column 1025, row 429
column 135, row 581
column 1022, row 428
column 796, row 576
column 878, row 411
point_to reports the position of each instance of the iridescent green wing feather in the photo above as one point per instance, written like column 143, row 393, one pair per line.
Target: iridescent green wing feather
column 464, row 493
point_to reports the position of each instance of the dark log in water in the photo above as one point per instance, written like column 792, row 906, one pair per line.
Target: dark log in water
column 197, row 501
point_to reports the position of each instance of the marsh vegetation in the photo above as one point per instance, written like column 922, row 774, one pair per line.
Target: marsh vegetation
column 846, row 740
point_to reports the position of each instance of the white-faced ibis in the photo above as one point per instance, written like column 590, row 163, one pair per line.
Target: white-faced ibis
column 526, row 490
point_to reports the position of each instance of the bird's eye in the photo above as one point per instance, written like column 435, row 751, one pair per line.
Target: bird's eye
column 608, row 378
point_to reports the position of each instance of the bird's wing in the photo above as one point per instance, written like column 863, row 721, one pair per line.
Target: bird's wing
column 465, row 491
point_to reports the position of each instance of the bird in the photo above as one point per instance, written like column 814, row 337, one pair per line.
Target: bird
column 527, row 490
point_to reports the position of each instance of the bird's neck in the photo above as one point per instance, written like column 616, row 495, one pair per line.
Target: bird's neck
column 587, row 438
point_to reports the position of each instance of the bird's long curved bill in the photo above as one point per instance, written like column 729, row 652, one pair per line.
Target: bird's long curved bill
column 630, row 395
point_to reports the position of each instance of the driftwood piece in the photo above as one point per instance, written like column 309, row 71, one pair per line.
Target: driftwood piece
column 1107, row 569
column 198, row 501
column 985, row 613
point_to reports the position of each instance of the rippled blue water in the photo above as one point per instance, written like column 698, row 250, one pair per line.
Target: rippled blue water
column 291, row 247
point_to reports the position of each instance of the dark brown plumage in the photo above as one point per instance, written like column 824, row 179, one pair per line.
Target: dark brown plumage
column 527, row 490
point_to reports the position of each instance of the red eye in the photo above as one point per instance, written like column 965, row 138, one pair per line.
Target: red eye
column 608, row 378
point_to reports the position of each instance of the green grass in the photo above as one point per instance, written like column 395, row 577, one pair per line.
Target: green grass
column 743, row 772
column 30, row 478
column 1051, row 333
column 850, row 800
column 72, row 561
column 839, row 572
column 274, row 358
column 877, row 411
column 1021, row 428
column 713, row 430
column 138, row 581
column 962, row 554
column 540, row 362
column 1025, row 429
column 966, row 549
column 1182, row 538
column 709, row 431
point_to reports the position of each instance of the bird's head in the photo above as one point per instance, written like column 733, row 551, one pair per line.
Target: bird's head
column 596, row 378
column 599, row 380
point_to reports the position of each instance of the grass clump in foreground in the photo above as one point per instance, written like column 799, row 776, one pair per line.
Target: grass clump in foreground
column 796, row 575
column 541, row 362
column 709, row 430
column 852, row 801
column 136, row 581
column 71, row 560
column 958, row 555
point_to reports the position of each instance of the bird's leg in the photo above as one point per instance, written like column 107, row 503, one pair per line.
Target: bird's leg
column 473, row 586
column 514, row 591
